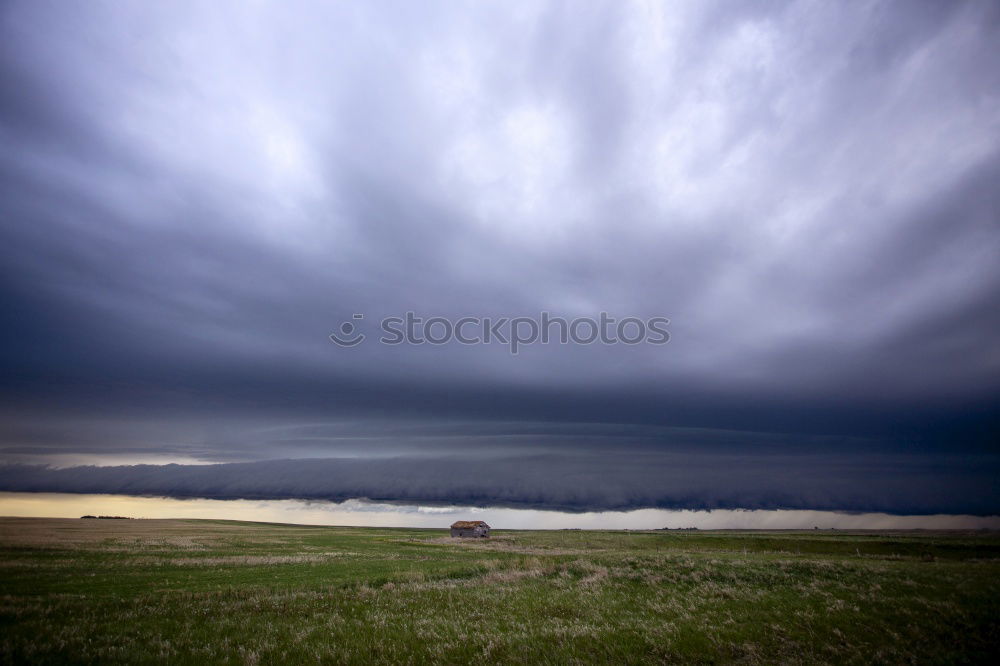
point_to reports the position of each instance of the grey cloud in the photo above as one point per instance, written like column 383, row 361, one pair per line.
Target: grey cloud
column 892, row 484
column 196, row 194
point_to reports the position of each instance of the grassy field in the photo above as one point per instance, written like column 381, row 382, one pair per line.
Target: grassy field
column 145, row 591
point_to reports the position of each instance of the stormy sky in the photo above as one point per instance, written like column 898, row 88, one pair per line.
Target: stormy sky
column 194, row 196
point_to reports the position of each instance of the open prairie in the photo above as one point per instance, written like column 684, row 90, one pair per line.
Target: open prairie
column 145, row 591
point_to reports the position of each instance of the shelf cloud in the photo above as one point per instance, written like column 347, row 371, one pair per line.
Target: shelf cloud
column 572, row 483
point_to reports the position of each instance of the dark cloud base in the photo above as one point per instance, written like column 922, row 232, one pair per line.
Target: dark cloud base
column 874, row 483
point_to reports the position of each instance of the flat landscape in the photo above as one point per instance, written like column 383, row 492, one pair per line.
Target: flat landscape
column 196, row 591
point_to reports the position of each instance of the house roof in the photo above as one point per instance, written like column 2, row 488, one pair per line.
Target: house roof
column 468, row 524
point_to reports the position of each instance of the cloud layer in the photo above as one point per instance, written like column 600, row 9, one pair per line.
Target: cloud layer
column 587, row 482
column 196, row 194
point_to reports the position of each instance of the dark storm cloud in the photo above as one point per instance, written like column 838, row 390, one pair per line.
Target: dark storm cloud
column 581, row 482
column 196, row 194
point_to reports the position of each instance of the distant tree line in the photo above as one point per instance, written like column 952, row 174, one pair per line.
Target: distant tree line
column 107, row 517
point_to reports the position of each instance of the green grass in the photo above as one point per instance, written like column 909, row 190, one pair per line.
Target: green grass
column 224, row 592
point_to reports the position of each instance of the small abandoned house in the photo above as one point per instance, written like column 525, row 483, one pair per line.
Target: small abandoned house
column 470, row 528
